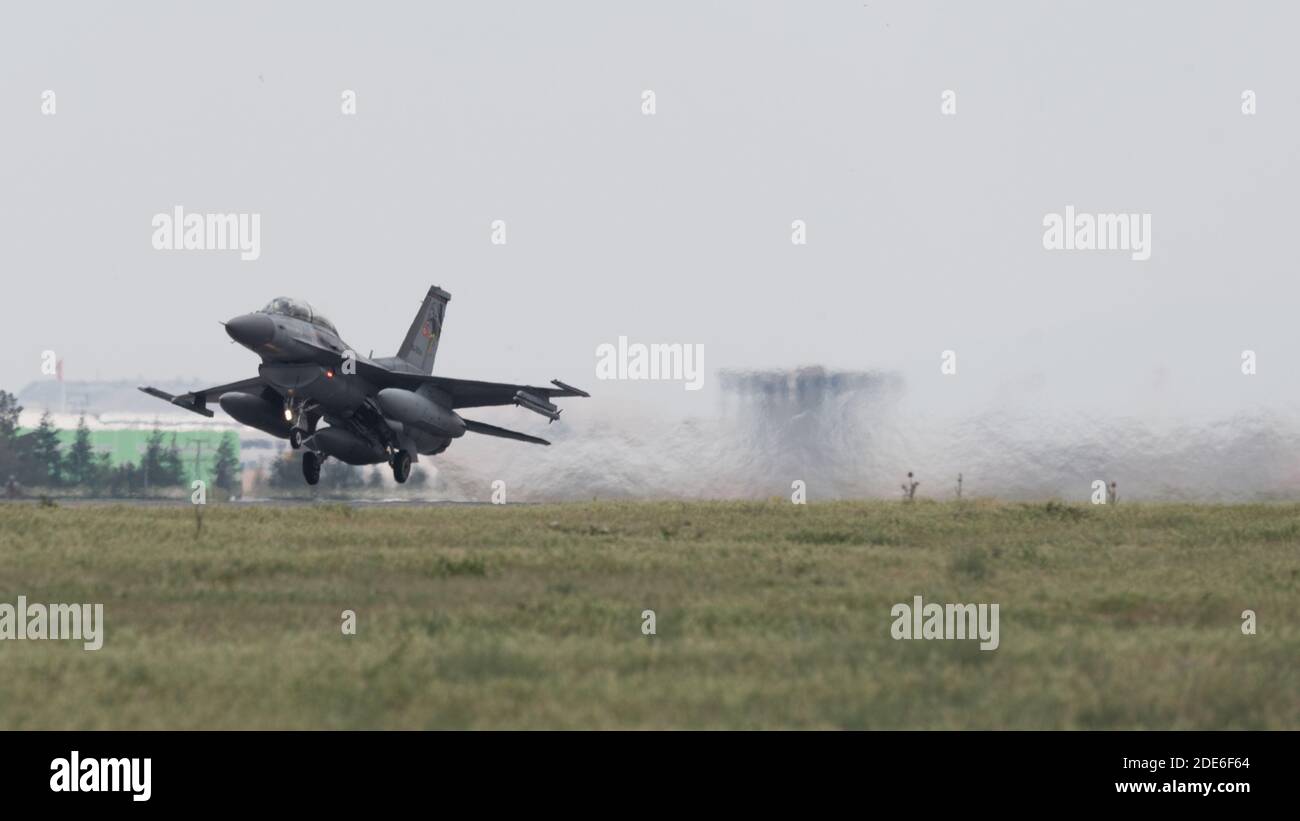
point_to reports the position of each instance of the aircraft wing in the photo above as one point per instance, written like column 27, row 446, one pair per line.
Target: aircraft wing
column 197, row 401
column 464, row 393
column 468, row 393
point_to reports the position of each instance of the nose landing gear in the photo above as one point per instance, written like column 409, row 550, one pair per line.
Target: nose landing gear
column 302, row 419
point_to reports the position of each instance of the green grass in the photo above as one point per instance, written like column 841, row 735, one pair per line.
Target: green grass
column 768, row 615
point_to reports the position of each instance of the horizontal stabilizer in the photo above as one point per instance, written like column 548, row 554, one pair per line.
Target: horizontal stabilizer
column 493, row 430
column 197, row 401
column 188, row 401
column 163, row 395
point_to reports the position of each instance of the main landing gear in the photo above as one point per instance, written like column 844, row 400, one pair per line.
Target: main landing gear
column 401, row 466
column 311, row 467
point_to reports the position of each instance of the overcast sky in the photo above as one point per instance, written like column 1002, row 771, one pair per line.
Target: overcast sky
column 924, row 230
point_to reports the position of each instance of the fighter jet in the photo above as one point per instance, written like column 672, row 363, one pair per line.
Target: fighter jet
column 389, row 409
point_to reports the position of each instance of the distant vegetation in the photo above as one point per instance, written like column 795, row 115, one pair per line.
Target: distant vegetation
column 768, row 615
column 37, row 462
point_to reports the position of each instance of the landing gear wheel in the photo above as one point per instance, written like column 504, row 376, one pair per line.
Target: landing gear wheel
column 295, row 438
column 311, row 467
column 401, row 466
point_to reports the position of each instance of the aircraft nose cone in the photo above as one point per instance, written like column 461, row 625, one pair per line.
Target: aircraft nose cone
column 251, row 330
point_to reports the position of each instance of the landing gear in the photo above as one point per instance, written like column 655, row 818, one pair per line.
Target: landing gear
column 295, row 438
column 401, row 466
column 311, row 467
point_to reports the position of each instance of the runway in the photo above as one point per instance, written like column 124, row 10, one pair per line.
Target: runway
column 270, row 502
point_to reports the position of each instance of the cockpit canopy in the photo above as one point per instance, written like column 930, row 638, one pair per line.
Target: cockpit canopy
column 297, row 309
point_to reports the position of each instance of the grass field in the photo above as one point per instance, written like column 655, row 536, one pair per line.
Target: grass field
column 767, row 615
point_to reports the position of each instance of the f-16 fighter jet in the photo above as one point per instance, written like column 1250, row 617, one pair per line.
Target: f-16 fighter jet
column 388, row 409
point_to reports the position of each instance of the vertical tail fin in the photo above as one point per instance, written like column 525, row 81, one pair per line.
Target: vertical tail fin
column 421, row 343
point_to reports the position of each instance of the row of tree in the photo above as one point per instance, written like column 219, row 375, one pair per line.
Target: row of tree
column 39, row 459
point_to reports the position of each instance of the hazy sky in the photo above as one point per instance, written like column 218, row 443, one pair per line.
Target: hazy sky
column 924, row 230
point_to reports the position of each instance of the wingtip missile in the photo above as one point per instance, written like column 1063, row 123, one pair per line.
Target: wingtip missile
column 537, row 404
